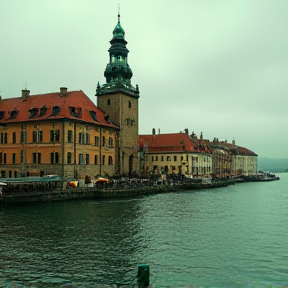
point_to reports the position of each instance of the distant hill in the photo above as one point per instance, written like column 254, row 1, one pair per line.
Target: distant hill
column 272, row 164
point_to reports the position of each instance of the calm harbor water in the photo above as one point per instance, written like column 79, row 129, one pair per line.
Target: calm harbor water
column 226, row 237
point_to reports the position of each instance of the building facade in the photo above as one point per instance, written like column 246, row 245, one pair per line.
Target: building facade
column 48, row 134
column 119, row 99
column 64, row 133
column 174, row 153
column 181, row 153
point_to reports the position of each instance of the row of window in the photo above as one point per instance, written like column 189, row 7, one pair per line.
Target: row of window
column 129, row 103
column 37, row 137
column 168, row 158
column 55, row 158
column 175, row 158
column 195, row 170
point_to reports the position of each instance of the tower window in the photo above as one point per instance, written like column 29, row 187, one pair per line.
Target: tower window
column 69, row 158
column 108, row 102
column 129, row 104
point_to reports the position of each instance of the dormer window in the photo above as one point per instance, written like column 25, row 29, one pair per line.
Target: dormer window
column 2, row 113
column 106, row 117
column 13, row 114
column 55, row 111
column 33, row 112
column 75, row 112
column 93, row 114
column 43, row 111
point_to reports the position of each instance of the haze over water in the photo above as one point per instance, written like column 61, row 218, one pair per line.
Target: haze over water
column 226, row 237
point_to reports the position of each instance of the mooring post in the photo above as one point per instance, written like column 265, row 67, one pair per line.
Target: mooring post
column 143, row 276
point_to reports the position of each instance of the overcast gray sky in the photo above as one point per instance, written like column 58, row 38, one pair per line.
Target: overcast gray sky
column 214, row 66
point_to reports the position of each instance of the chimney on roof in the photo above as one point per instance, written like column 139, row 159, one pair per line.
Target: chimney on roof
column 233, row 141
column 186, row 132
column 25, row 94
column 193, row 135
column 158, row 130
column 63, row 91
column 153, row 131
column 201, row 136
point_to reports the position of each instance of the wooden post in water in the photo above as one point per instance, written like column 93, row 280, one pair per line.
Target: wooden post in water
column 143, row 276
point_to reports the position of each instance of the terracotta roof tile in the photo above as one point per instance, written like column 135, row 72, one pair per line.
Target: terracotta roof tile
column 80, row 102
column 167, row 142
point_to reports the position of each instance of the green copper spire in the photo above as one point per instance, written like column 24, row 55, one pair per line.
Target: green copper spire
column 118, row 73
column 118, row 31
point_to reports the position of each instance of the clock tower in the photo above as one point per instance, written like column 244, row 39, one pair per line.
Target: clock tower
column 119, row 99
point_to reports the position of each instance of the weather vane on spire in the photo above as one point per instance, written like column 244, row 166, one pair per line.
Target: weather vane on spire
column 118, row 11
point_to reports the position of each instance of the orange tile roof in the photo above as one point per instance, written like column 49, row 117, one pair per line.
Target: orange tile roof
column 240, row 150
column 77, row 99
column 167, row 142
column 171, row 142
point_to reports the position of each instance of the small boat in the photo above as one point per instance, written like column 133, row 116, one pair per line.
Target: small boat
column 261, row 177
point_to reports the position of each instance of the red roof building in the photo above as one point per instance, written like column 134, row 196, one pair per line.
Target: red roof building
column 174, row 153
column 61, row 133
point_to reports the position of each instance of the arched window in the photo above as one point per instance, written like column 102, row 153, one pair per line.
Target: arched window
column 110, row 160
column 110, row 142
column 129, row 104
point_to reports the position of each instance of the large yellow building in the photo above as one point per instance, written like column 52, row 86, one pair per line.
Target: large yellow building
column 174, row 153
column 64, row 133
column 184, row 154
column 60, row 133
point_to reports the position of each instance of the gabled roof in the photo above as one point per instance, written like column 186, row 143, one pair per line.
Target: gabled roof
column 174, row 142
column 238, row 150
column 74, row 105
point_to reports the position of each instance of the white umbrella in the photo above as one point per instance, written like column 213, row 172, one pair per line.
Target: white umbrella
column 2, row 183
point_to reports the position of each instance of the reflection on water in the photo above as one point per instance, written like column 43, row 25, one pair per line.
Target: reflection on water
column 70, row 240
column 225, row 237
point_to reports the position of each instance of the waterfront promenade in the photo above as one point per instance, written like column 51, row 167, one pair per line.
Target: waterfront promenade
column 101, row 193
